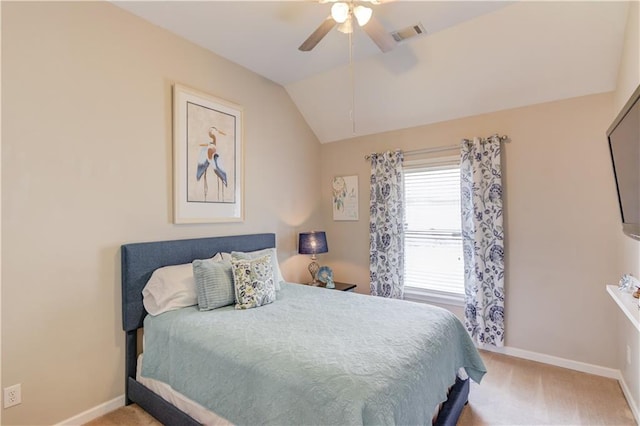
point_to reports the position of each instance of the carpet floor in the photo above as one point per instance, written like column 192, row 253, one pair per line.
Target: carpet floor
column 513, row 392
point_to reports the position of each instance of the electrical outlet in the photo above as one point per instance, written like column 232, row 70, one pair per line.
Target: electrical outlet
column 628, row 355
column 12, row 395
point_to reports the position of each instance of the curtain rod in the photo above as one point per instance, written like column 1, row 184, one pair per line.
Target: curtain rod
column 503, row 138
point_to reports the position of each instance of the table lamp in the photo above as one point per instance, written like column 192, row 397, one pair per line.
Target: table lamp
column 313, row 243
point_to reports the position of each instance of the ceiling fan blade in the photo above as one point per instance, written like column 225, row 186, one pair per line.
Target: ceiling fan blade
column 379, row 35
column 315, row 37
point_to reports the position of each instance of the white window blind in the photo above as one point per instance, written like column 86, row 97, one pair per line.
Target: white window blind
column 433, row 240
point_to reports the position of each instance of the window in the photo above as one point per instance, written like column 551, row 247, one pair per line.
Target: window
column 434, row 265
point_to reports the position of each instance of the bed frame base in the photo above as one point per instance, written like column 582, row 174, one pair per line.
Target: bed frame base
column 167, row 414
column 452, row 408
column 164, row 412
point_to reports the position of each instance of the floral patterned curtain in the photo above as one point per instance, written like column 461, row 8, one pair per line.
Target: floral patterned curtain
column 386, row 225
column 483, row 239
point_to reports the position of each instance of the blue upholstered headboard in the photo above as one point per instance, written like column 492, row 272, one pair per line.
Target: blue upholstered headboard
column 139, row 260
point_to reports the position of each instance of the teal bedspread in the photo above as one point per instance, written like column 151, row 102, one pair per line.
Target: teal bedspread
column 313, row 357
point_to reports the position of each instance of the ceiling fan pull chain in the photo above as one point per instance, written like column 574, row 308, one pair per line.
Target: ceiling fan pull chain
column 353, row 85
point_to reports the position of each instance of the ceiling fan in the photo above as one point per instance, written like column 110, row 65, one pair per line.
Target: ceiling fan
column 343, row 14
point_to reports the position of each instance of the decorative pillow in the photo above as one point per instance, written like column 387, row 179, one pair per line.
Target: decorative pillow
column 169, row 288
column 277, row 275
column 214, row 283
column 253, row 281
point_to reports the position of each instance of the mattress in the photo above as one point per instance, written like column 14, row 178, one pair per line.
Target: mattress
column 312, row 357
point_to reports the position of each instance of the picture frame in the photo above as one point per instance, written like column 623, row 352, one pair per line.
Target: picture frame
column 345, row 198
column 208, row 149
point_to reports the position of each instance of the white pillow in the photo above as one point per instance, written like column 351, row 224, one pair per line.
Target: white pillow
column 170, row 288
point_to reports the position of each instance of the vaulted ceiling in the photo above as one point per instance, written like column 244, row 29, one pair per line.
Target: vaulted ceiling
column 476, row 56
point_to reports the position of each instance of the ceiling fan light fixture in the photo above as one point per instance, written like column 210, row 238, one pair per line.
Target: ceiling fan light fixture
column 343, row 15
column 346, row 27
column 363, row 14
column 340, row 12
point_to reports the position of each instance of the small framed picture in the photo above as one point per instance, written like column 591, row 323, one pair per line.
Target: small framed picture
column 345, row 198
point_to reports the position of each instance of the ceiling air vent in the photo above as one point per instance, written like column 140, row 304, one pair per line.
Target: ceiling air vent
column 409, row 32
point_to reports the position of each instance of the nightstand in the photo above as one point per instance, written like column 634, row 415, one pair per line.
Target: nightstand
column 341, row 286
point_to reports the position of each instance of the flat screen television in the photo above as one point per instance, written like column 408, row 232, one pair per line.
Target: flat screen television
column 624, row 145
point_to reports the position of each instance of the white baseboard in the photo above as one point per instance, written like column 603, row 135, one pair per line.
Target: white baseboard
column 94, row 413
column 557, row 361
column 629, row 397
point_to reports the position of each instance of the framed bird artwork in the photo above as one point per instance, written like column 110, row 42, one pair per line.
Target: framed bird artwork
column 207, row 154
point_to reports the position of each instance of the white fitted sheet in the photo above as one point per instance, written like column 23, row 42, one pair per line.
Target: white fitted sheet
column 190, row 407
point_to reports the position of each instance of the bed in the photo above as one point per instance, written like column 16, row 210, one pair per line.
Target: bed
column 302, row 374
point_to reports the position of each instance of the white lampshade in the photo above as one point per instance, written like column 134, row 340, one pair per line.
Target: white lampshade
column 363, row 14
column 340, row 12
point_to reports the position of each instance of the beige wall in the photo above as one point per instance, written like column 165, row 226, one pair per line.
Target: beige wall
column 86, row 167
column 629, row 70
column 561, row 220
column 629, row 261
